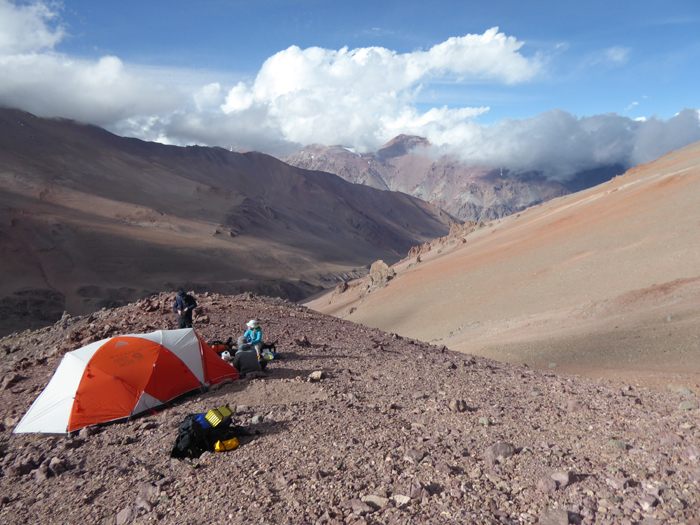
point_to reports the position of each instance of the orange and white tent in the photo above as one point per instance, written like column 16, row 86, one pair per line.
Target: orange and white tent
column 123, row 376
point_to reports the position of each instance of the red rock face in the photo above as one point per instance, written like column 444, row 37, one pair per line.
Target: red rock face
column 469, row 193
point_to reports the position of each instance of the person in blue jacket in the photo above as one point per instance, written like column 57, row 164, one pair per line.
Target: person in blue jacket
column 254, row 335
column 183, row 307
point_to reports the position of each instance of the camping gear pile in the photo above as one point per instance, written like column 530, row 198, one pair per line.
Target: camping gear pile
column 211, row 432
column 121, row 377
column 220, row 346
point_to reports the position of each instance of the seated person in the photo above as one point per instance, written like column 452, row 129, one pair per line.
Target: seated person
column 246, row 360
column 254, row 335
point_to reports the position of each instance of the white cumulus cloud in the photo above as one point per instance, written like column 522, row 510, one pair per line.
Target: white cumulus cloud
column 28, row 28
column 559, row 144
column 35, row 78
column 359, row 98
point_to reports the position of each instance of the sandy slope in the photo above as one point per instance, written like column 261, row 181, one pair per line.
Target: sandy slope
column 604, row 282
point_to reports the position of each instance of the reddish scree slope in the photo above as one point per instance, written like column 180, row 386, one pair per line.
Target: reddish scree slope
column 604, row 282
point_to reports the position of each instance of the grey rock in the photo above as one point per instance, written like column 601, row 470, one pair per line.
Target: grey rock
column 377, row 502
column 317, row 375
column 670, row 438
column 58, row 466
column 359, row 507
column 143, row 503
column 498, row 452
column 647, row 502
column 164, row 482
column 379, row 275
column 616, row 444
column 127, row 515
column 74, row 443
column 41, row 474
column 11, row 380
column 616, row 482
column 652, row 489
column 86, row 432
column 256, row 420
column 401, row 500
column 475, row 473
column 414, row 455
column 457, row 405
column 546, row 485
column 444, row 468
column 148, row 491
column 417, row 490
column 22, row 467
column 687, row 405
column 680, row 389
column 562, row 477
column 692, row 453
column 554, row 517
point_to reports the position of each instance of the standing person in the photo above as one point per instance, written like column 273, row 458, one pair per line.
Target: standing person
column 183, row 307
column 254, row 335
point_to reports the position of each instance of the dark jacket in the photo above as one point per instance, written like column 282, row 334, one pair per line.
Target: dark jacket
column 246, row 360
column 186, row 304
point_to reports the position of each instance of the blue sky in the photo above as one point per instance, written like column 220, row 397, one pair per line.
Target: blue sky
column 482, row 80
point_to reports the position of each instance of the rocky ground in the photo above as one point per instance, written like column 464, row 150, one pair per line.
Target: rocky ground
column 352, row 425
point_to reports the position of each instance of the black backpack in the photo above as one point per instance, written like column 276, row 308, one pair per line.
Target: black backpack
column 193, row 440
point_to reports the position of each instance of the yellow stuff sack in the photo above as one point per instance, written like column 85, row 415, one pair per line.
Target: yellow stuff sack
column 217, row 415
column 229, row 444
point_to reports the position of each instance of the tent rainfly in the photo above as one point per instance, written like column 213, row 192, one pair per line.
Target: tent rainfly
column 121, row 377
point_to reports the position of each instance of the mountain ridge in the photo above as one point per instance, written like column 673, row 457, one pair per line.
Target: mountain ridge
column 83, row 209
column 470, row 193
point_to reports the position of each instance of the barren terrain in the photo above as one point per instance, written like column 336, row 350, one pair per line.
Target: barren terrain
column 603, row 283
column 89, row 219
column 352, row 426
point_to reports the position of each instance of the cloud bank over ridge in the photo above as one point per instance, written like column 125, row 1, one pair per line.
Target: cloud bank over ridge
column 360, row 98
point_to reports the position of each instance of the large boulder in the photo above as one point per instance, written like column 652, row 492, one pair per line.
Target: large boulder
column 379, row 275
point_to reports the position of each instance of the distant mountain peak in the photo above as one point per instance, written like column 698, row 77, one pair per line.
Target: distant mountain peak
column 401, row 145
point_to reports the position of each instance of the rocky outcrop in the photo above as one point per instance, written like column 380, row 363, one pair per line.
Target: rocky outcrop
column 379, row 275
column 458, row 233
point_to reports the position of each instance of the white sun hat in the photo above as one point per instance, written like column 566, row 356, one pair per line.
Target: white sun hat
column 252, row 323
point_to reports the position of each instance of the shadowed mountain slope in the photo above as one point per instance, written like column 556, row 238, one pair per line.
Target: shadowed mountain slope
column 604, row 282
column 89, row 219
